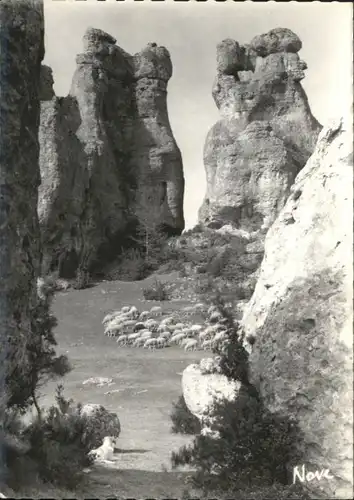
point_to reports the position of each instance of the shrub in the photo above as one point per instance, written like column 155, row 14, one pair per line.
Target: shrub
column 43, row 363
column 183, row 421
column 59, row 443
column 156, row 291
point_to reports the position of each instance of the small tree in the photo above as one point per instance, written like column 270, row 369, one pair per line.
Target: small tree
column 43, row 363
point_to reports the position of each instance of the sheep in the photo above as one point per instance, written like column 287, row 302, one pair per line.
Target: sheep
column 165, row 335
column 139, row 326
column 204, row 335
column 195, row 328
column 133, row 336
column 167, row 321
column 156, row 311
column 129, row 322
column 133, row 313
column 161, row 342
column 179, row 326
column 144, row 315
column 191, row 345
column 122, row 339
column 207, row 344
column 150, row 344
column 125, row 309
column 152, row 325
column 177, row 338
column 139, row 342
column 105, row 451
column 114, row 330
column 109, row 317
column 219, row 337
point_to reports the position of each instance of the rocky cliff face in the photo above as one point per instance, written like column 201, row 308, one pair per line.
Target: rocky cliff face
column 108, row 156
column 301, row 312
column 22, row 50
column 265, row 135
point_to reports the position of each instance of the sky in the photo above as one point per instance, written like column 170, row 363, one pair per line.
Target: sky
column 190, row 31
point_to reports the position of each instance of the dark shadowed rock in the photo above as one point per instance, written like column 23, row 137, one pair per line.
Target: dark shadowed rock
column 108, row 155
column 266, row 132
column 22, row 50
column 301, row 313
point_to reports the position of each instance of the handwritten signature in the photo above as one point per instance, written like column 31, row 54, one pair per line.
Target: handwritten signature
column 304, row 476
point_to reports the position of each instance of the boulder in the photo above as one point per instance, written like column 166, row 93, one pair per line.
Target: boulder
column 301, row 317
column 203, row 387
column 101, row 423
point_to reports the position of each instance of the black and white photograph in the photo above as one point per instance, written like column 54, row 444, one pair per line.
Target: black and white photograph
column 176, row 249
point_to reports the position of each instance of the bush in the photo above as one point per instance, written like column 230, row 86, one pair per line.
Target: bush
column 183, row 421
column 43, row 363
column 157, row 291
column 59, row 444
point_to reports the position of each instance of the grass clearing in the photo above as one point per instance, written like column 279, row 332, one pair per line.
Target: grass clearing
column 144, row 385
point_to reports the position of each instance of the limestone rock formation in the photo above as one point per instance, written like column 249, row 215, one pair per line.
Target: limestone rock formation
column 22, row 50
column 265, row 135
column 301, row 312
column 108, row 156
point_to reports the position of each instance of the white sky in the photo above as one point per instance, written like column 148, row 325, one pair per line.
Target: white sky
column 191, row 31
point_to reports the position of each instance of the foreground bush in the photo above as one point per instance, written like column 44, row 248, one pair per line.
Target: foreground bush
column 183, row 421
column 59, row 443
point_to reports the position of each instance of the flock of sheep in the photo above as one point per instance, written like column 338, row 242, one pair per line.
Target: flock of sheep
column 149, row 330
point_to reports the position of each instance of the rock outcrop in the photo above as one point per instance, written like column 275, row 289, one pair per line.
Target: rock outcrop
column 301, row 312
column 265, row 135
column 109, row 161
column 22, row 50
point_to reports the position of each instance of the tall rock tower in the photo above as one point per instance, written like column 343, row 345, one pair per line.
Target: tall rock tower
column 265, row 135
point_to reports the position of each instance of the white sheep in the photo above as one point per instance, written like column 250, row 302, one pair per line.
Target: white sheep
column 129, row 322
column 125, row 309
column 179, row 326
column 199, row 307
column 166, row 335
column 144, row 315
column 156, row 311
column 122, row 339
column 169, row 320
column 175, row 339
column 105, row 451
column 195, row 328
column 152, row 324
column 191, row 345
column 161, row 342
column 133, row 336
column 133, row 312
column 109, row 317
column 139, row 342
column 114, row 330
column 207, row 344
column 150, row 344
